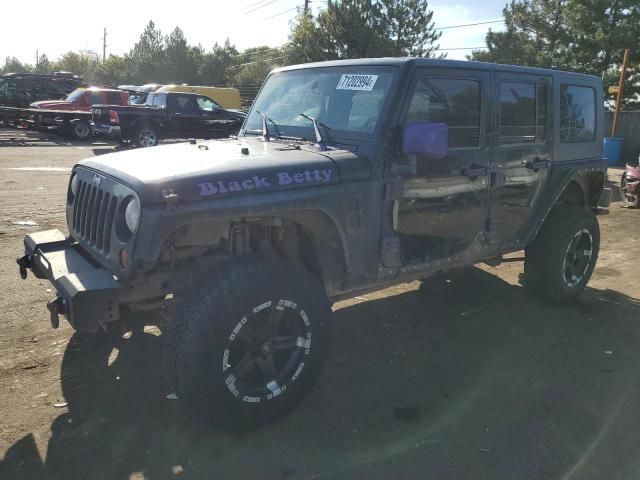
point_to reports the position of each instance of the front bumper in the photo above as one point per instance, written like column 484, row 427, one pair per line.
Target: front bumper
column 87, row 295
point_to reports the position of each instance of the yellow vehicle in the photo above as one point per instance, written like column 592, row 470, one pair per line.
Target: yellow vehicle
column 226, row 97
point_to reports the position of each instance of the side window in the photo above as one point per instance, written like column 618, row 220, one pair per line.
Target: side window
column 523, row 112
column 185, row 103
column 95, row 98
column 207, row 104
column 113, row 98
column 159, row 101
column 453, row 101
column 577, row 114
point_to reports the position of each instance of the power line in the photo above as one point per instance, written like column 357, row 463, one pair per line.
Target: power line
column 257, row 61
column 470, row 24
column 281, row 13
column 462, row 48
column 259, row 7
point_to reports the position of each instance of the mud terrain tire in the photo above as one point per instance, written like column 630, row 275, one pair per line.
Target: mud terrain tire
column 246, row 344
column 559, row 262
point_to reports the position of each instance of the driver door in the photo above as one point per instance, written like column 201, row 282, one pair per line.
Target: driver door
column 443, row 203
column 184, row 116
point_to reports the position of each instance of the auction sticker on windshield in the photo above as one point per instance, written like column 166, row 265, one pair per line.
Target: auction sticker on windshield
column 357, row 82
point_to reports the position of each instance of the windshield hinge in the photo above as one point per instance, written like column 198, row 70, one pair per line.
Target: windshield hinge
column 170, row 197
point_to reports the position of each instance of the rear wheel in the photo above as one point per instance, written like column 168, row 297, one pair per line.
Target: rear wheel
column 146, row 136
column 81, row 130
column 560, row 261
column 247, row 344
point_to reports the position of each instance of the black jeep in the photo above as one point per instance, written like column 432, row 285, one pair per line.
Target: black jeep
column 346, row 176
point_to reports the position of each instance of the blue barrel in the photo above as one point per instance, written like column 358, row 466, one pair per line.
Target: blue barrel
column 612, row 149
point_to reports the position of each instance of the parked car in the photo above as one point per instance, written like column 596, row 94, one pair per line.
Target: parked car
column 81, row 100
column 167, row 115
column 22, row 89
column 347, row 176
column 84, row 98
column 226, row 97
column 139, row 94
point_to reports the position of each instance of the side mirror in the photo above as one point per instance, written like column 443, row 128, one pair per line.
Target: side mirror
column 426, row 139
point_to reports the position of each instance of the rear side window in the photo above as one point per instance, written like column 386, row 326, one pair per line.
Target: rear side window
column 114, row 98
column 523, row 112
column 159, row 101
column 577, row 114
column 95, row 98
column 453, row 101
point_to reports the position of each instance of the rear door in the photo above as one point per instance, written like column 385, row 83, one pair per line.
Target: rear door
column 522, row 153
column 184, row 117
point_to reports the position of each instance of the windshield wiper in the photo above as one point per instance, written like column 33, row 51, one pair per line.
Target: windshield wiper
column 316, row 125
column 265, row 129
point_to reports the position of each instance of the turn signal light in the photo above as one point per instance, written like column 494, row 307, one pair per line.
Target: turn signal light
column 124, row 259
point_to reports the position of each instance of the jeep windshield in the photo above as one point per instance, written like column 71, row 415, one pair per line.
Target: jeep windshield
column 349, row 101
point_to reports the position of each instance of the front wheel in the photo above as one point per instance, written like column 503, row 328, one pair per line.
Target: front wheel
column 248, row 343
column 559, row 262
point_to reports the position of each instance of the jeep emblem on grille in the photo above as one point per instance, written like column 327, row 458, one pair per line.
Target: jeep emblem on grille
column 97, row 180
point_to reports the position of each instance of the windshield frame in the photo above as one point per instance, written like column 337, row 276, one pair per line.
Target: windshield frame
column 335, row 135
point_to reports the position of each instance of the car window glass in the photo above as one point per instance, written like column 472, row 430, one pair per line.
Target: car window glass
column 205, row 103
column 185, row 103
column 113, row 98
column 577, row 114
column 159, row 101
column 523, row 112
column 95, row 98
column 453, row 101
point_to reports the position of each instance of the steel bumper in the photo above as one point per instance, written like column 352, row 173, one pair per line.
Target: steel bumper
column 86, row 293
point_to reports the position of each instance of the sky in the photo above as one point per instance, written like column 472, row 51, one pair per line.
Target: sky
column 247, row 23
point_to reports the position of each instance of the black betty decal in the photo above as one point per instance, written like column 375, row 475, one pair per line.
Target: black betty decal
column 257, row 182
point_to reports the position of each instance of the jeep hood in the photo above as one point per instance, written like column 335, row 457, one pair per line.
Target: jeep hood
column 228, row 167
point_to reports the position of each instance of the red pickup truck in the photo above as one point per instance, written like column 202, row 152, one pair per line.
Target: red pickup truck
column 84, row 98
column 80, row 100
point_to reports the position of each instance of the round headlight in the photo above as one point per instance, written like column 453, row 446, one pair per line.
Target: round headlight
column 74, row 185
column 132, row 214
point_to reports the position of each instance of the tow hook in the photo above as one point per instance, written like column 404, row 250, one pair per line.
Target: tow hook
column 56, row 307
column 24, row 263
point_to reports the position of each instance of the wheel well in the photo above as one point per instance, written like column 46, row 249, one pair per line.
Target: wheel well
column 573, row 194
column 308, row 239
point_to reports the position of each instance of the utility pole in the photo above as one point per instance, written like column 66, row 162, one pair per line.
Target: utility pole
column 37, row 58
column 306, row 6
column 625, row 61
column 104, row 44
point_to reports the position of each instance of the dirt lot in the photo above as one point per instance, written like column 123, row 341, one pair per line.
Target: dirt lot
column 464, row 377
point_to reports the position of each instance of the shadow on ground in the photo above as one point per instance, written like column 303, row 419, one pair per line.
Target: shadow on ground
column 467, row 377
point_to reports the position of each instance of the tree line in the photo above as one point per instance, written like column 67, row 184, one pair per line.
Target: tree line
column 586, row 36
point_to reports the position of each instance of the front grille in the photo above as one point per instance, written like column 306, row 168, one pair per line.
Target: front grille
column 93, row 213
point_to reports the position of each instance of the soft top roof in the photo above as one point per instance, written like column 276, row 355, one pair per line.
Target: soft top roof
column 431, row 62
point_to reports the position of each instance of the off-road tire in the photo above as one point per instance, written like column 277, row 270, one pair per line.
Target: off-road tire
column 146, row 136
column 211, row 316
column 549, row 264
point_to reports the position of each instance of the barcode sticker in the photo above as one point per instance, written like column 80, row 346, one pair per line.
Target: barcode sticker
column 357, row 82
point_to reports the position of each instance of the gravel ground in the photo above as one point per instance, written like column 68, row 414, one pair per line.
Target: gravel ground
column 465, row 376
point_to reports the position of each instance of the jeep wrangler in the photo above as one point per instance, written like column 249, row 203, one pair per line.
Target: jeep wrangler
column 347, row 176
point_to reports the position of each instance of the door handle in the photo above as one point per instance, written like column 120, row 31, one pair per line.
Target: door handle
column 536, row 164
column 474, row 172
